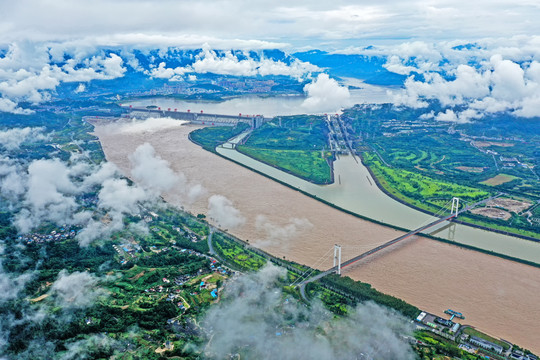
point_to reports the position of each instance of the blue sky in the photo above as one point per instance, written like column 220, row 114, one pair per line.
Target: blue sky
column 319, row 24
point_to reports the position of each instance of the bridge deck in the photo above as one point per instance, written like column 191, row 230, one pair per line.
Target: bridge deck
column 396, row 240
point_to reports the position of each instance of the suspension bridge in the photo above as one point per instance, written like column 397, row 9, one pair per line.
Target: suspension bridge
column 306, row 278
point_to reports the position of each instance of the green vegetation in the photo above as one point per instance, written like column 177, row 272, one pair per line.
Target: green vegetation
column 417, row 189
column 138, row 298
column 236, row 254
column 431, row 194
column 151, row 290
column 300, row 132
column 425, row 163
column 364, row 292
column 295, row 144
column 210, row 137
column 310, row 165
column 432, row 346
column 499, row 180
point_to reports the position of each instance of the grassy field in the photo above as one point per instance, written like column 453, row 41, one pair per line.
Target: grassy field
column 210, row 137
column 295, row 144
column 422, row 191
column 236, row 255
column 430, row 194
column 307, row 164
column 303, row 132
column 498, row 180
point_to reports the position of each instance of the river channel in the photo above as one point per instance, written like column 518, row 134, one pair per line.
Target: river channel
column 497, row 295
column 355, row 190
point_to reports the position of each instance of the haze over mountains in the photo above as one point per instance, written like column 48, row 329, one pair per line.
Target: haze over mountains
column 467, row 79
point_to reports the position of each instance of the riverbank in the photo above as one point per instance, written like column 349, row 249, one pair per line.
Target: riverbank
column 388, row 193
column 356, row 194
column 429, row 274
column 454, row 243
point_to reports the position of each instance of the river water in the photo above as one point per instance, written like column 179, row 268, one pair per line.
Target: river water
column 356, row 191
column 496, row 295
column 267, row 106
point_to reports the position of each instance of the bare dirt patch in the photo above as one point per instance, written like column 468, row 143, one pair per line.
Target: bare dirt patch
column 516, row 206
column 483, row 144
column 137, row 277
column 39, row 298
column 470, row 169
column 498, row 180
column 492, row 213
column 161, row 350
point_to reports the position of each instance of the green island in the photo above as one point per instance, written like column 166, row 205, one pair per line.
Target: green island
column 420, row 162
column 295, row 144
column 210, row 137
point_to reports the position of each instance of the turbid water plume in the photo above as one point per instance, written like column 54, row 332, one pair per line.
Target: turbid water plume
column 432, row 275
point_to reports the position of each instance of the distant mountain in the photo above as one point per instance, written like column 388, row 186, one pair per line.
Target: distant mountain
column 140, row 67
column 368, row 68
column 174, row 57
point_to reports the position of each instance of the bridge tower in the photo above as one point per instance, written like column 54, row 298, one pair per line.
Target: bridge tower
column 455, row 206
column 337, row 258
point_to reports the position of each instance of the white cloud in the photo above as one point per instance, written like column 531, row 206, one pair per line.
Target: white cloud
column 163, row 72
column 75, row 290
column 229, row 64
column 194, row 193
column 507, row 79
column 10, row 284
column 84, row 348
column 48, row 196
column 80, row 89
column 11, row 139
column 118, row 196
column 223, row 212
column 105, row 171
column 280, row 234
column 12, row 183
column 151, row 171
column 6, row 105
column 254, row 307
column 307, row 23
column 485, row 78
column 94, row 68
column 27, row 73
column 325, row 95
column 141, row 126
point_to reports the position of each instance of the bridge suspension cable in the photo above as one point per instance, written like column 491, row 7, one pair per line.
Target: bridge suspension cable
column 438, row 214
column 313, row 268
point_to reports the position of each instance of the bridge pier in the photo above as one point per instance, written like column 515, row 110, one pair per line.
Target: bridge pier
column 337, row 258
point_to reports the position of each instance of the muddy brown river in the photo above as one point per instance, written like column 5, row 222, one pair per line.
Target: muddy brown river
column 498, row 296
